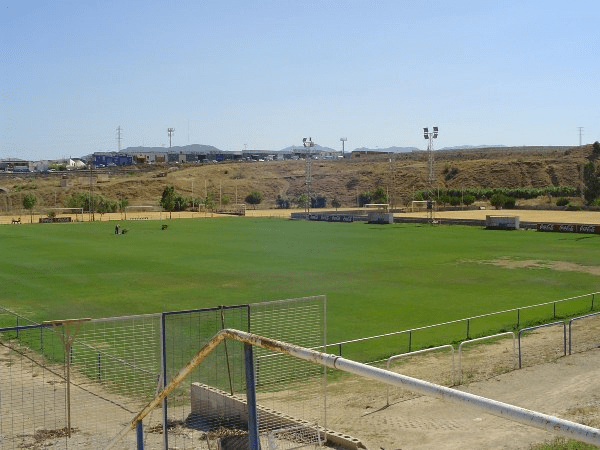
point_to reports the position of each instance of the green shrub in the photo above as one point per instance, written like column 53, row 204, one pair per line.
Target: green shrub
column 468, row 199
column 454, row 201
column 562, row 201
column 499, row 200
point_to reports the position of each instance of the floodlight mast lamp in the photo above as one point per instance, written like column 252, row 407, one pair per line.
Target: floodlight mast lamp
column 430, row 135
column 343, row 141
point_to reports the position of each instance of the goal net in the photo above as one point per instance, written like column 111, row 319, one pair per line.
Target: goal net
column 75, row 214
column 238, row 209
column 143, row 212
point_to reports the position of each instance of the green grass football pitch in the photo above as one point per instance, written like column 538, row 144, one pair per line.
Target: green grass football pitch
column 377, row 278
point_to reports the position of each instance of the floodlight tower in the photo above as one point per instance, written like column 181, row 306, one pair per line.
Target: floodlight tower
column 170, row 131
column 343, row 140
column 119, row 129
column 430, row 135
column 308, row 144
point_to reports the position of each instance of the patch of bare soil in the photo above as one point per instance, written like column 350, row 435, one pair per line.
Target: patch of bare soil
column 511, row 263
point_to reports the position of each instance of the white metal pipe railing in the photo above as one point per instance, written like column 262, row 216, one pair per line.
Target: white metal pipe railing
column 425, row 350
column 546, row 422
column 483, row 339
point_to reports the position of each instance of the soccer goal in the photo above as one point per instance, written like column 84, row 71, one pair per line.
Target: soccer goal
column 143, row 212
column 423, row 205
column 238, row 209
column 73, row 213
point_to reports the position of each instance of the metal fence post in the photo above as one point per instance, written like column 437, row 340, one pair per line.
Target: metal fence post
column 468, row 325
column 163, row 362
column 554, row 310
column 139, row 430
column 409, row 341
column 593, row 296
column 518, row 317
column 99, row 369
column 253, row 441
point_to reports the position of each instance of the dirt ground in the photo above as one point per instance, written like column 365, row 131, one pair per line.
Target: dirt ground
column 549, row 382
column 565, row 386
column 578, row 217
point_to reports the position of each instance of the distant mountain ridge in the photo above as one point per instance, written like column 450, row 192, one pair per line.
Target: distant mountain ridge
column 203, row 148
column 295, row 148
column 464, row 147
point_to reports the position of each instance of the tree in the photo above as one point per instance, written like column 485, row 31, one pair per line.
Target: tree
column 336, row 203
column 105, row 205
column 168, row 199
column 282, row 202
column 379, row 196
column 254, row 198
column 302, row 201
column 468, row 199
column 498, row 200
column 319, row 201
column 209, row 202
column 29, row 202
column 591, row 182
column 596, row 148
column 364, row 198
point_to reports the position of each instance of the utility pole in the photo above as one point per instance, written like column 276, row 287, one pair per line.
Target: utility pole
column 344, row 139
column 430, row 135
column 580, row 134
column 170, row 131
column 308, row 144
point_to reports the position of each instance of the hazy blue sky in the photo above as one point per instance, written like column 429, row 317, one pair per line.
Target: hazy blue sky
column 268, row 73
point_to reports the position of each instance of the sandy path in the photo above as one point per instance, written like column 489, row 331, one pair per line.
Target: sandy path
column 566, row 386
column 587, row 217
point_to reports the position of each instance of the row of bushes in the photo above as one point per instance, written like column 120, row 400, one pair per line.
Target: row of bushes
column 318, row 201
column 517, row 193
column 98, row 203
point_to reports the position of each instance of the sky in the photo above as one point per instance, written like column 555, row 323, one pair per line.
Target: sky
column 264, row 74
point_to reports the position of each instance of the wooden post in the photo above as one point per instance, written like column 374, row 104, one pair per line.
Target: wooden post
column 67, row 339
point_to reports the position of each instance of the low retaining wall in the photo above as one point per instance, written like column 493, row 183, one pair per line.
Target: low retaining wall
column 211, row 404
column 54, row 219
column 353, row 216
column 569, row 228
column 329, row 217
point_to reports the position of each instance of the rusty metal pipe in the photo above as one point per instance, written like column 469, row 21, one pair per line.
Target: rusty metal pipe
column 521, row 415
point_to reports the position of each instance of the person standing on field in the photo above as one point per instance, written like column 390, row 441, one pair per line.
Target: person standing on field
column 117, row 229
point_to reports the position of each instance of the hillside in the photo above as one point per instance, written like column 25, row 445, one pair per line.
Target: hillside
column 401, row 176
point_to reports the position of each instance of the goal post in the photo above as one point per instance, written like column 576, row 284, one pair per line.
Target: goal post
column 54, row 212
column 142, row 212
column 423, row 205
column 237, row 209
